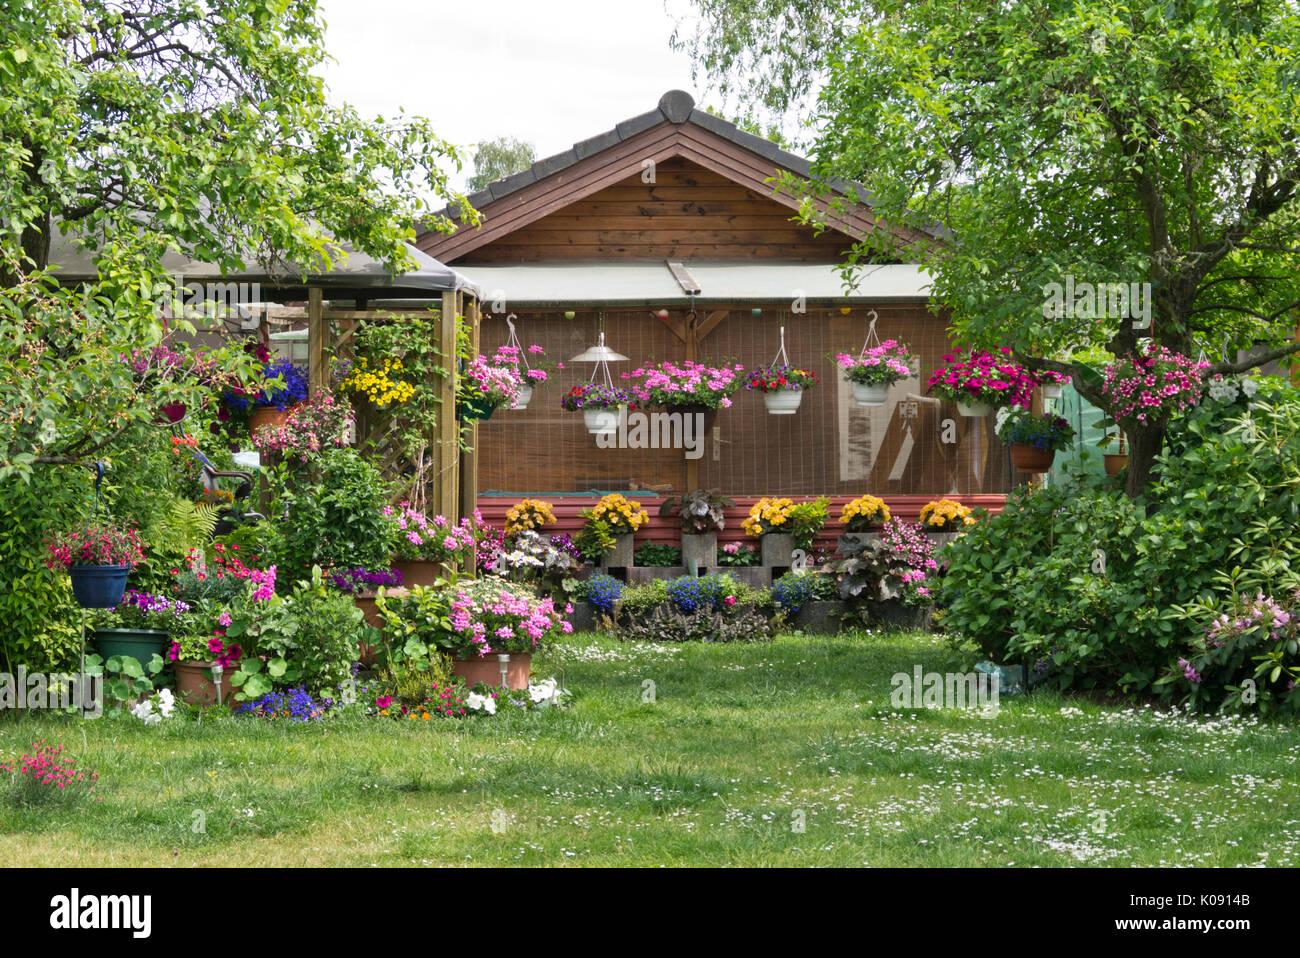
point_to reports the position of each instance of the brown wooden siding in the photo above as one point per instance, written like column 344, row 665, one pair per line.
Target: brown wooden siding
column 687, row 213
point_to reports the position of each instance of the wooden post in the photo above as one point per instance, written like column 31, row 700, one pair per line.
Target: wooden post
column 447, row 444
column 316, row 334
column 469, row 457
column 696, row 332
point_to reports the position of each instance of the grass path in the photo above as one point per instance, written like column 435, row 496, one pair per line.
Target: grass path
column 741, row 745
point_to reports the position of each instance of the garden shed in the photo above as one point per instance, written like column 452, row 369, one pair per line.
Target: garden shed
column 667, row 234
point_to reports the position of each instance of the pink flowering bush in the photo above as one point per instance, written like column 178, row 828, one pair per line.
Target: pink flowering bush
column 982, row 377
column 421, row 538
column 882, row 365
column 914, row 550
column 493, row 615
column 1148, row 388
column 321, row 424
column 1247, row 658
column 46, row 774
column 98, row 544
column 685, row 384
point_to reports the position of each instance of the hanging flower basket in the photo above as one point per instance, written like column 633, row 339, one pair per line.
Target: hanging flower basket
column 1029, row 459
column 1116, row 463
column 974, row 410
column 870, row 394
column 525, row 394
column 601, row 422
column 782, row 402
column 98, row 586
column 264, row 416
column 471, row 410
column 170, row 413
column 781, row 384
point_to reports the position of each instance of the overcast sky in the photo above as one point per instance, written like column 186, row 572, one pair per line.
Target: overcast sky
column 549, row 72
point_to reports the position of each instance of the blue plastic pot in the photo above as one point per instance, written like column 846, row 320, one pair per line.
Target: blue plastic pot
column 98, row 586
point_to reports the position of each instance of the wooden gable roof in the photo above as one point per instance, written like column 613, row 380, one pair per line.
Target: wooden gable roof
column 672, row 183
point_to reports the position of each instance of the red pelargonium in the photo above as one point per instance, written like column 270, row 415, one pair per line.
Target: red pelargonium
column 982, row 376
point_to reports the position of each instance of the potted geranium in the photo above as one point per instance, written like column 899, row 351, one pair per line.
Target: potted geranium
column 139, row 625
column 98, row 558
column 363, row 585
column 530, row 365
column 875, row 369
column 611, row 523
column 702, row 518
column 204, row 666
column 1034, row 440
column 483, row 386
column 782, row 387
column 1052, row 383
column 981, row 381
column 600, row 405
column 688, row 387
column 428, row 548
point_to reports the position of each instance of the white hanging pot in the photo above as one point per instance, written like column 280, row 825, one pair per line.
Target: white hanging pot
column 601, row 422
column 870, row 395
column 975, row 410
column 525, row 394
column 1051, row 390
column 783, row 402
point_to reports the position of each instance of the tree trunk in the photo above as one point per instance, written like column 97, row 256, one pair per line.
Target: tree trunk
column 1144, row 444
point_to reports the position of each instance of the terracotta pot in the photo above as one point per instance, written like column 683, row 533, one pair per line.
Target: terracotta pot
column 1028, row 459
column 1115, row 463
column 195, row 685
column 266, row 416
column 488, row 669
column 419, row 571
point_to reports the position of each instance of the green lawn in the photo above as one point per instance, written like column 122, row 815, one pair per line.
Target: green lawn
column 741, row 742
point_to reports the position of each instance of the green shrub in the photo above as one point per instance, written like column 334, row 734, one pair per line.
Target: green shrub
column 668, row 625
column 42, row 623
column 655, row 554
column 333, row 518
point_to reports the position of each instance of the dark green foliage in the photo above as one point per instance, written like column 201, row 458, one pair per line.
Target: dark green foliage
column 658, row 554
column 667, row 625
column 41, row 621
column 333, row 518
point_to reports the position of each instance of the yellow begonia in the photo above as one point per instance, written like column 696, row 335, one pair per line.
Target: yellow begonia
column 621, row 514
column 528, row 514
column 942, row 513
column 766, row 515
column 865, row 511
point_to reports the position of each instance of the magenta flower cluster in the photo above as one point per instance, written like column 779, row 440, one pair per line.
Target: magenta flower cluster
column 1150, row 387
column 491, row 615
column 421, row 538
column 982, row 376
column 882, row 365
column 106, row 544
column 910, row 545
column 685, row 384
column 45, row 764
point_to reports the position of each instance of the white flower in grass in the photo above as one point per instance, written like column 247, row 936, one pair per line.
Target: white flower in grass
column 475, row 701
column 144, row 712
